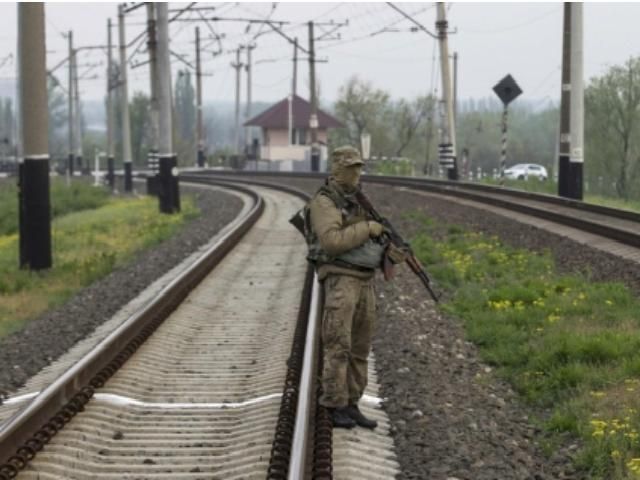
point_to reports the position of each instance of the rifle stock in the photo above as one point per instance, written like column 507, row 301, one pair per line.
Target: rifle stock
column 395, row 238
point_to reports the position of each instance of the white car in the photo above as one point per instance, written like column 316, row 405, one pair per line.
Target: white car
column 523, row 171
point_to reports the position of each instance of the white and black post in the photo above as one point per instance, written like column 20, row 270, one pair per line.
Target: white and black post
column 507, row 90
column 111, row 176
column 152, row 154
column 564, row 147
column 199, row 125
column 70, row 104
column 447, row 146
column 576, row 159
column 503, row 143
column 313, row 119
column 77, row 116
column 124, row 98
column 169, row 192
column 34, row 204
column 238, row 67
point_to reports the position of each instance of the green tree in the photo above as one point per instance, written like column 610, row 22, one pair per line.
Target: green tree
column 612, row 128
column 140, row 127
column 362, row 108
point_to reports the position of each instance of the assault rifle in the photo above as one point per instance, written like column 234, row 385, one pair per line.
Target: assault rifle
column 397, row 240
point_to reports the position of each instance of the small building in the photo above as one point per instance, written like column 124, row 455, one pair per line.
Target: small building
column 286, row 136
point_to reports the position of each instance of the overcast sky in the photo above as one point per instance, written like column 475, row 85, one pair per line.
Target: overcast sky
column 523, row 39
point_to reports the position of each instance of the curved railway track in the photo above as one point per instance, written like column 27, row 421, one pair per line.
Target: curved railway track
column 226, row 388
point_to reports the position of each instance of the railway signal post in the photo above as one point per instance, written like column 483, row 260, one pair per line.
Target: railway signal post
column 35, row 219
column 507, row 90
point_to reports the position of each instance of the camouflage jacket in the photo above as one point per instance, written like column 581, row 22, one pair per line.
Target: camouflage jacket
column 342, row 231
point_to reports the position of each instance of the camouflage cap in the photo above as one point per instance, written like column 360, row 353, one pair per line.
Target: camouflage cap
column 346, row 156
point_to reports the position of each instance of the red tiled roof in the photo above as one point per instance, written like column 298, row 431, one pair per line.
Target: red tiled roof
column 277, row 116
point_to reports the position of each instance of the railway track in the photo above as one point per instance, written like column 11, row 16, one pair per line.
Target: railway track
column 218, row 391
column 213, row 378
column 612, row 230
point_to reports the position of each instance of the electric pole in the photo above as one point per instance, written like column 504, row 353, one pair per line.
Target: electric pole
column 313, row 119
column 247, row 113
column 237, row 66
column 294, row 85
column 77, row 125
column 447, row 147
column 199, row 126
column 169, row 194
column 33, row 196
column 564, row 146
column 455, row 89
column 124, row 98
column 153, row 78
column 576, row 159
column 110, row 110
column 70, row 107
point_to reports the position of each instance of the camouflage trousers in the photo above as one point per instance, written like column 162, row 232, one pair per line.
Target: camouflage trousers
column 347, row 330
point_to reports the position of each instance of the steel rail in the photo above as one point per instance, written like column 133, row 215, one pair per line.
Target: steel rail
column 29, row 429
column 293, row 440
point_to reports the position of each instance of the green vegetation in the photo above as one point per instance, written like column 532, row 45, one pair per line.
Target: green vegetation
column 398, row 167
column 569, row 346
column 64, row 200
column 87, row 245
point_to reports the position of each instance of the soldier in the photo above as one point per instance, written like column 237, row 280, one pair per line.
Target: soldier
column 347, row 247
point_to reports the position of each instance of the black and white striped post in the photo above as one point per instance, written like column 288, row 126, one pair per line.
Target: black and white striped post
column 169, row 193
column 35, row 210
column 507, row 90
column 503, row 148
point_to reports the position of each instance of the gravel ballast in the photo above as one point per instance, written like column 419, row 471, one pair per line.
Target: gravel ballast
column 44, row 339
column 452, row 418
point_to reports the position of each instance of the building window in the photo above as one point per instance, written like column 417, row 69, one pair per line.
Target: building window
column 298, row 136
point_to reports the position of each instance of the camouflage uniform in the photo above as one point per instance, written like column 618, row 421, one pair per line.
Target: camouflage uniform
column 349, row 299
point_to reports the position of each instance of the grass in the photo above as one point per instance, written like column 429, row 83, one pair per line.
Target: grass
column 568, row 346
column 87, row 245
column 78, row 196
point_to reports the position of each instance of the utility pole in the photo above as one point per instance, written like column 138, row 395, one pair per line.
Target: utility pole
column 447, row 147
column 70, row 108
column 237, row 66
column 455, row 89
column 169, row 194
column 33, row 196
column 294, row 85
column 110, row 111
column 199, row 126
column 313, row 119
column 564, row 145
column 247, row 114
column 576, row 159
column 126, row 127
column 77, row 126
column 153, row 77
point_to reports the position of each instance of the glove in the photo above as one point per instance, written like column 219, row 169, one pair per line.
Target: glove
column 395, row 254
column 375, row 228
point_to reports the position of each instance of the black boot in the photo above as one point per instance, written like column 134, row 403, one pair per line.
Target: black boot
column 354, row 412
column 340, row 418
